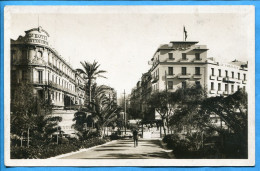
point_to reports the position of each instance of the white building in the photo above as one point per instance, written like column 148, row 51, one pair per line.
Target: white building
column 183, row 63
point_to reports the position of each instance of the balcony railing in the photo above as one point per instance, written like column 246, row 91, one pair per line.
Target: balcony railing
column 170, row 76
column 40, row 82
column 225, row 92
column 184, row 60
column 212, row 91
column 197, row 76
column 154, row 80
column 184, row 76
column 220, row 78
column 228, row 79
column 244, row 81
column 212, row 77
column 220, row 92
column 197, row 60
column 170, row 60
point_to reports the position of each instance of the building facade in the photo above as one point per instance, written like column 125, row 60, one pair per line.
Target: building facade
column 35, row 62
column 180, row 64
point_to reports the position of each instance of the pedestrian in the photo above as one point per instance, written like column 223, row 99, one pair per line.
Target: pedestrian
column 135, row 136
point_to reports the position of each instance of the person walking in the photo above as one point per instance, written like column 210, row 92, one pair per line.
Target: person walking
column 135, row 136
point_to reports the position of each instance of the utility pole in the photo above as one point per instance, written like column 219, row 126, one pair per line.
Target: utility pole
column 125, row 110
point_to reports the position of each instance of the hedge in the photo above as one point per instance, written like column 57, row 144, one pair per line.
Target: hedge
column 51, row 150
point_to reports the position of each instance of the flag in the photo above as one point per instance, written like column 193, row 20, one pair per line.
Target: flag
column 185, row 33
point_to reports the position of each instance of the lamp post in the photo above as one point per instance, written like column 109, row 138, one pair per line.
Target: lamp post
column 125, row 110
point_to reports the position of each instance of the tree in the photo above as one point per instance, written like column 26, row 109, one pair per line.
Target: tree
column 91, row 72
column 159, row 102
column 186, row 118
column 105, row 111
column 233, row 111
column 28, row 115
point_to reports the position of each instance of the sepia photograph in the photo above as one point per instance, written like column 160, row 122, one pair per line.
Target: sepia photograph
column 129, row 85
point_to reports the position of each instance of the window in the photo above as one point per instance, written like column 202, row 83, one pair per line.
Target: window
column 226, row 73
column 212, row 86
column 170, row 55
column 197, row 70
column 197, row 56
column 238, row 76
column 170, row 70
column 232, row 88
column 219, row 86
column 183, row 70
column 238, row 87
column 219, row 72
column 245, row 77
column 59, row 96
column 212, row 71
column 197, row 84
column 226, row 87
column 244, row 88
column 52, row 78
column 39, row 76
column 232, row 74
column 56, row 95
column 184, row 57
column 183, row 84
column 170, row 85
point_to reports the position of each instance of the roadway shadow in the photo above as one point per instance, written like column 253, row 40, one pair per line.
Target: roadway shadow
column 155, row 155
column 110, row 149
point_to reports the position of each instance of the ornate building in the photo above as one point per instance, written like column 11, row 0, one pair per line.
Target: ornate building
column 35, row 62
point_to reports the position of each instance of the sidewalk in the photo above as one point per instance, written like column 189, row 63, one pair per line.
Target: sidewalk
column 123, row 149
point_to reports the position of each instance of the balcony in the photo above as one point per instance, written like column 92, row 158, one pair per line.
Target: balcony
column 57, row 86
column 184, row 60
column 225, row 92
column 170, row 76
column 212, row 91
column 220, row 78
column 185, row 76
column 244, row 81
column 212, row 77
column 170, row 60
column 197, row 76
column 220, row 92
column 154, row 80
column 197, row 60
column 41, row 83
column 228, row 79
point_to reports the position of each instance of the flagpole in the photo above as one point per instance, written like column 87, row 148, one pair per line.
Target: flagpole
column 183, row 33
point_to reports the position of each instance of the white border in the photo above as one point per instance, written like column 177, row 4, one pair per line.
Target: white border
column 249, row 10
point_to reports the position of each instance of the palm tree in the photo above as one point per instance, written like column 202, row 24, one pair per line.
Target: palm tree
column 91, row 72
column 105, row 111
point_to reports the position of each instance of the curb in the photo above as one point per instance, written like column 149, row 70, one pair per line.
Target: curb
column 79, row 151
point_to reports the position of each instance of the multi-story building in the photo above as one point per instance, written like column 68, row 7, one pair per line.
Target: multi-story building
column 179, row 64
column 35, row 62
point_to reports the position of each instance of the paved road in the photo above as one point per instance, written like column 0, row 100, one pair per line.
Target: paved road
column 124, row 149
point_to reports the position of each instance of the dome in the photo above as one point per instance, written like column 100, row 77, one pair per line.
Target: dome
column 37, row 36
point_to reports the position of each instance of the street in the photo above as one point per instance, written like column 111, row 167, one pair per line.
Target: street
column 124, row 149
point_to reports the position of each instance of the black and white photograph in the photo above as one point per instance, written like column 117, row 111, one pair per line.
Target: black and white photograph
column 129, row 85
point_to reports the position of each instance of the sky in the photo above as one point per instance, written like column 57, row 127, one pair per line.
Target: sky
column 124, row 38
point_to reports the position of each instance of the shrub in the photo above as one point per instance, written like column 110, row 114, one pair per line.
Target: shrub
column 51, row 150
